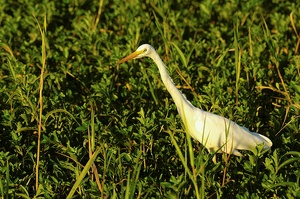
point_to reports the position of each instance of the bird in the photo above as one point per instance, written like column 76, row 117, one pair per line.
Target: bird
column 216, row 133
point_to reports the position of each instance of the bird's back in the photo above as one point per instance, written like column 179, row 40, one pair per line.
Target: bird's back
column 216, row 132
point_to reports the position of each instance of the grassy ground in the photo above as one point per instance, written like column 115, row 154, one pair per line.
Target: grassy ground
column 73, row 124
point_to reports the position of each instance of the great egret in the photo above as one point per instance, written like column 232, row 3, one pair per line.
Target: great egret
column 215, row 132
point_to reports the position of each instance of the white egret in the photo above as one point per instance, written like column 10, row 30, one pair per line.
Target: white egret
column 215, row 132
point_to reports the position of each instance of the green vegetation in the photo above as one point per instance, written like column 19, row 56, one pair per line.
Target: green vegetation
column 73, row 124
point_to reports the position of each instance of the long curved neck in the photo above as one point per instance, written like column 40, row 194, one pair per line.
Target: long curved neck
column 180, row 100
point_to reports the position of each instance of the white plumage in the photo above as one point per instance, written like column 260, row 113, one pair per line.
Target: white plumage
column 215, row 132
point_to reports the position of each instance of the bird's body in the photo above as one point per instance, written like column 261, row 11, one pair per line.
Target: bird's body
column 215, row 132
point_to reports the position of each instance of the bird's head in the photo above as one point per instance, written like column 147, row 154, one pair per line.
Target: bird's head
column 144, row 50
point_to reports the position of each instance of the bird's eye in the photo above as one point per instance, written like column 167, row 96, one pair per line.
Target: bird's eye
column 145, row 50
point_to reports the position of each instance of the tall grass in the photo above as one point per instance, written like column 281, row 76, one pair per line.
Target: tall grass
column 73, row 124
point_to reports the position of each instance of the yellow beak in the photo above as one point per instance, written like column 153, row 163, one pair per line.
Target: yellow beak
column 131, row 56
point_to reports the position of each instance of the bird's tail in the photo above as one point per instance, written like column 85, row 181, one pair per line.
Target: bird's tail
column 263, row 139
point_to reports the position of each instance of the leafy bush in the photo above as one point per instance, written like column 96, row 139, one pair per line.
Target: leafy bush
column 73, row 123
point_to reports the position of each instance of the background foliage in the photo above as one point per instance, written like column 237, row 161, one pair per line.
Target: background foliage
column 113, row 131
